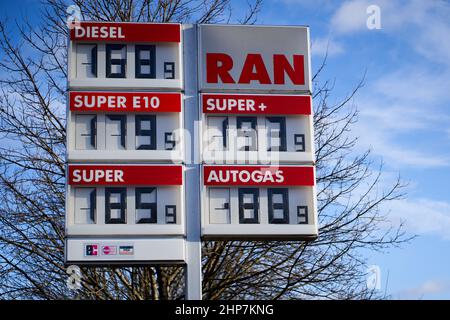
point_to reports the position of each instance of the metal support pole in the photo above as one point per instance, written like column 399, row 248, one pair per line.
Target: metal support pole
column 193, row 270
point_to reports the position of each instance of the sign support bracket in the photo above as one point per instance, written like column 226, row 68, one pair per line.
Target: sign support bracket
column 193, row 269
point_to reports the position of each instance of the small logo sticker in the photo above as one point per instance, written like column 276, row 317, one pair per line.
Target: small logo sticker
column 109, row 250
column 126, row 250
column 91, row 250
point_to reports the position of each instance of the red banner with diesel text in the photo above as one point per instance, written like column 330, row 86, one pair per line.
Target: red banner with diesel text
column 126, row 32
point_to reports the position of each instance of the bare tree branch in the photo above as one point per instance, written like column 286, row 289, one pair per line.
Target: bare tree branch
column 32, row 182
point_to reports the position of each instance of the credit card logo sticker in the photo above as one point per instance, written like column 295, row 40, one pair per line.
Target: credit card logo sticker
column 91, row 250
column 126, row 250
column 109, row 250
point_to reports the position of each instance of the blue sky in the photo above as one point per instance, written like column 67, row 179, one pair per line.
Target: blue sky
column 404, row 115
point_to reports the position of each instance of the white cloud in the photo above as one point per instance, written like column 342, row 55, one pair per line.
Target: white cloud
column 424, row 25
column 384, row 129
column 408, row 102
column 323, row 46
column 433, row 40
column 417, row 216
column 350, row 17
column 415, row 85
column 397, row 155
column 425, row 289
column 404, row 115
column 421, row 216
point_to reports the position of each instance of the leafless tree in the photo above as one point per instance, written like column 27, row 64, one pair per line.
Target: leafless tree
column 32, row 182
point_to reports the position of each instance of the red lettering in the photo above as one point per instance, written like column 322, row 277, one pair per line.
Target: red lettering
column 218, row 65
column 254, row 62
column 282, row 65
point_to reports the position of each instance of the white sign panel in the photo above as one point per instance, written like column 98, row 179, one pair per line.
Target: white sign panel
column 125, row 126
column 125, row 55
column 259, row 202
column 125, row 107
column 124, row 251
column 254, row 58
column 125, row 200
column 257, row 128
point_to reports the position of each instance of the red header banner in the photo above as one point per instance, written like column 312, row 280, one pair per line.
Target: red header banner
column 258, row 175
column 125, row 175
column 126, row 32
column 256, row 104
column 124, row 101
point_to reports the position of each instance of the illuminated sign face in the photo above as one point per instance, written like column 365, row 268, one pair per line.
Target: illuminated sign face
column 251, row 202
column 254, row 58
column 105, row 54
column 125, row 199
column 257, row 127
column 139, row 125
